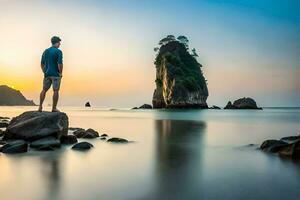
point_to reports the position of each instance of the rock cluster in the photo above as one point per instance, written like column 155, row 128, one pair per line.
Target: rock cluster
column 287, row 146
column 242, row 103
column 45, row 131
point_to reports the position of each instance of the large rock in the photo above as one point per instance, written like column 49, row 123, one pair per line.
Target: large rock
column 35, row 125
column 18, row 146
column 12, row 97
column 242, row 103
column 179, row 79
column 287, row 146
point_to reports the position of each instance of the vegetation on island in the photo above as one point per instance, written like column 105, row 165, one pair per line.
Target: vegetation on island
column 183, row 64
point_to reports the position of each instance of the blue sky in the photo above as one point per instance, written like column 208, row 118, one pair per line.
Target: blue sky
column 248, row 47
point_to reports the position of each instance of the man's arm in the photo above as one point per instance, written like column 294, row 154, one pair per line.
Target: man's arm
column 60, row 63
column 60, row 68
column 43, row 62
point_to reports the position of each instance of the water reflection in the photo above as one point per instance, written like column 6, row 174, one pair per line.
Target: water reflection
column 51, row 169
column 178, row 159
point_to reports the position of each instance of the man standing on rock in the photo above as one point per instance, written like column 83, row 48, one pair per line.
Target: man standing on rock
column 52, row 67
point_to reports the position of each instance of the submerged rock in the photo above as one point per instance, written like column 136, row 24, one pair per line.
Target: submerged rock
column 289, row 149
column 68, row 139
column 48, row 142
column 145, row 106
column 179, row 79
column 35, row 125
column 45, row 148
column 104, row 135
column 18, row 146
column 81, row 146
column 117, row 140
column 242, row 103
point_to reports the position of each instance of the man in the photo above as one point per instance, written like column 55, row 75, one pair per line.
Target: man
column 52, row 66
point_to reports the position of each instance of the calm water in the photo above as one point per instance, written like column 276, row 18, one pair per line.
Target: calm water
column 195, row 154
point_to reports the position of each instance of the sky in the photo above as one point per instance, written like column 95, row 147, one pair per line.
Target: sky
column 247, row 47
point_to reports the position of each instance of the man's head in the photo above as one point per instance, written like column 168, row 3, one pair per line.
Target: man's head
column 55, row 41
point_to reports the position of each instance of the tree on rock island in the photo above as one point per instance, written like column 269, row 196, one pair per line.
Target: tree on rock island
column 179, row 79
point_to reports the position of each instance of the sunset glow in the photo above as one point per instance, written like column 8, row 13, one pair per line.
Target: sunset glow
column 108, row 48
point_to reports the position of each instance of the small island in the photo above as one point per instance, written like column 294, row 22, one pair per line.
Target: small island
column 12, row 97
column 243, row 103
column 179, row 79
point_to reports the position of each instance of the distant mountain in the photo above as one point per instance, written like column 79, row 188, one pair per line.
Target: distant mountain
column 12, row 97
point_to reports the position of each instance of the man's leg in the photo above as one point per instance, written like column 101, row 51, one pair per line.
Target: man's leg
column 56, row 86
column 46, row 86
column 42, row 98
column 55, row 100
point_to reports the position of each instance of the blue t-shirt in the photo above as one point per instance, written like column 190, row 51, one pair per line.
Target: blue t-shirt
column 50, row 59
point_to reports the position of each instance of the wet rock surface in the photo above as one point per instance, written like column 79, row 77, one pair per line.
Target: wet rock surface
column 287, row 146
column 88, row 134
column 17, row 146
column 82, row 146
column 117, row 140
column 45, row 131
column 35, row 125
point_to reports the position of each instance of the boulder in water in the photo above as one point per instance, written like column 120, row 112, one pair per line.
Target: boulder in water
column 34, row 125
column 17, row 146
column 82, row 146
column 89, row 133
column 145, row 106
column 117, row 140
column 291, row 148
column 87, row 104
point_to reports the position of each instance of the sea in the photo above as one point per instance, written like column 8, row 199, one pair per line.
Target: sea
column 172, row 155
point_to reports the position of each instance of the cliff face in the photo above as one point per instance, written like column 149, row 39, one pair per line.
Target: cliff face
column 179, row 79
column 11, row 97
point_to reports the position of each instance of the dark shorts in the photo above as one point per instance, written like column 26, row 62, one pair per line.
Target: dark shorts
column 55, row 81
